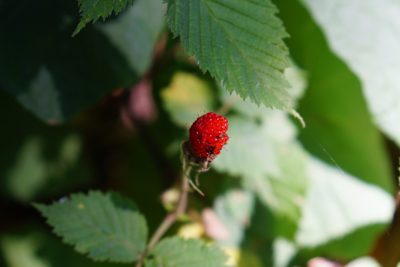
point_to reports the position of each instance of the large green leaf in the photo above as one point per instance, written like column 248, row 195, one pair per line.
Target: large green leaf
column 177, row 252
column 38, row 160
column 134, row 34
column 107, row 227
column 284, row 193
column 33, row 245
column 54, row 75
column 338, row 204
column 92, row 10
column 339, row 125
column 238, row 42
column 271, row 163
column 264, row 152
column 267, row 156
column 365, row 35
column 248, row 150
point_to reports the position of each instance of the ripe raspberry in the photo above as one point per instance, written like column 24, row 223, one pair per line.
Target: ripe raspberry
column 207, row 134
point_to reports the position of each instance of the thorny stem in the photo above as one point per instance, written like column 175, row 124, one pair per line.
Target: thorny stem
column 168, row 221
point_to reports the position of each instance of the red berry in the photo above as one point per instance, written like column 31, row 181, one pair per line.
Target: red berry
column 208, row 134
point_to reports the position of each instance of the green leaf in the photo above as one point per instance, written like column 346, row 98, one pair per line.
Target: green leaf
column 284, row 194
column 20, row 251
column 264, row 152
column 332, row 211
column 182, row 103
column 38, row 160
column 248, row 150
column 248, row 258
column 284, row 250
column 134, row 34
column 31, row 170
column 366, row 261
column 234, row 210
column 33, row 245
column 50, row 73
column 92, row 10
column 238, row 42
column 271, row 163
column 350, row 246
column 339, row 125
column 361, row 34
column 106, row 226
column 177, row 252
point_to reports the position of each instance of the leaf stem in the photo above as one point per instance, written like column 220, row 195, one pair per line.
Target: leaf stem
column 168, row 221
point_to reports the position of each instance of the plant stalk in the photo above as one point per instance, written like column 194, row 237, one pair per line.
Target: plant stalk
column 168, row 221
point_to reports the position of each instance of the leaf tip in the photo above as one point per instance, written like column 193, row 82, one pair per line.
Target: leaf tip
column 295, row 114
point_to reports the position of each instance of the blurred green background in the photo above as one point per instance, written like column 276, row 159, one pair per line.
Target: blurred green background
column 107, row 110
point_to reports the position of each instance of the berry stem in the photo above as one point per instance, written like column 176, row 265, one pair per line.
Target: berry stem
column 168, row 221
column 224, row 109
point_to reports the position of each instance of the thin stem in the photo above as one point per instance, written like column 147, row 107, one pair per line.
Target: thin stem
column 168, row 221
column 227, row 105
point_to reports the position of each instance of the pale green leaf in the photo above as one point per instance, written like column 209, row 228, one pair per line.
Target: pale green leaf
column 363, row 262
column 338, row 204
column 270, row 161
column 238, row 42
column 106, row 226
column 248, row 151
column 284, row 193
column 365, row 35
column 234, row 210
column 20, row 251
column 266, row 155
column 177, row 252
column 186, row 97
column 284, row 250
column 92, row 10
column 339, row 125
column 32, row 172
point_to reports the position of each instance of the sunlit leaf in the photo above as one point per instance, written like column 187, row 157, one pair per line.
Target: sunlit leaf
column 364, row 34
column 339, row 127
column 338, row 204
column 238, row 42
column 269, row 160
column 363, row 262
column 186, row 97
column 177, row 252
column 38, row 160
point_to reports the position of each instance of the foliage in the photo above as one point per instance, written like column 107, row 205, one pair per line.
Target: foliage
column 107, row 227
column 106, row 111
column 189, row 253
column 247, row 59
column 92, row 10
